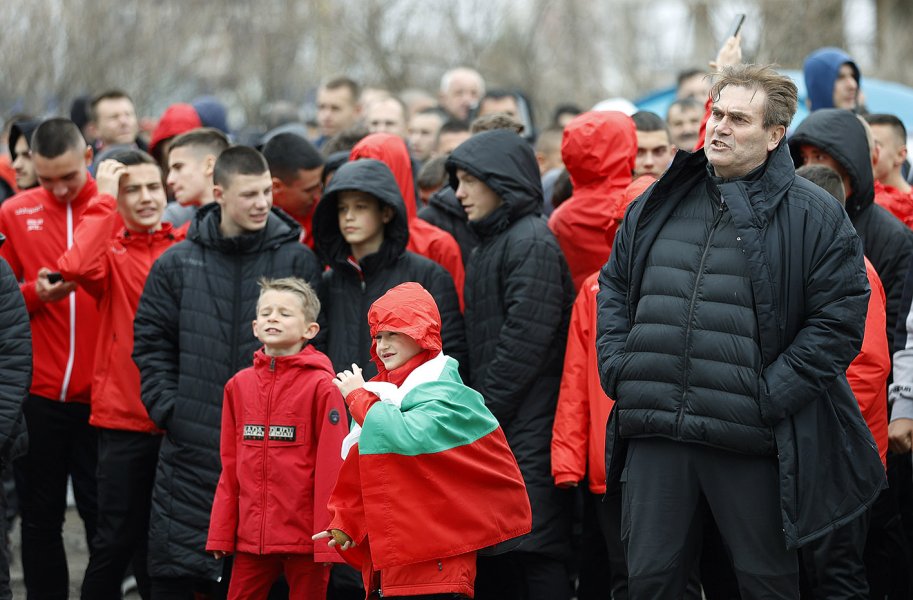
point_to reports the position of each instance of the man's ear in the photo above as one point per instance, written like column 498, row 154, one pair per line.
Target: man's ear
column 217, row 193
column 278, row 186
column 775, row 136
column 209, row 165
column 89, row 154
column 386, row 214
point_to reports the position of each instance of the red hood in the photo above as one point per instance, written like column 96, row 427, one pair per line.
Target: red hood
column 391, row 150
column 407, row 308
column 177, row 119
column 599, row 149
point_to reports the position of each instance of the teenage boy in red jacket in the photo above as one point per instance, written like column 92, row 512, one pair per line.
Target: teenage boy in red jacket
column 113, row 269
column 283, row 423
column 39, row 225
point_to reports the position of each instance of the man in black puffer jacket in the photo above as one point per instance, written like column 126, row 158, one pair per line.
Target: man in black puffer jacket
column 354, row 281
column 732, row 304
column 192, row 333
column 15, row 381
column 518, row 303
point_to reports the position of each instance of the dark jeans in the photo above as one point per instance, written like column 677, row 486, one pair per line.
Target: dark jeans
column 61, row 444
column 521, row 576
column 126, row 472
column 663, row 484
column 832, row 566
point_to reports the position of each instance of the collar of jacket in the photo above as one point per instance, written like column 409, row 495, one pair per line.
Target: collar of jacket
column 205, row 230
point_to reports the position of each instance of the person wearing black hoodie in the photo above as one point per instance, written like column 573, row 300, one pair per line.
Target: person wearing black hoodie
column 192, row 333
column 518, row 303
column 354, row 281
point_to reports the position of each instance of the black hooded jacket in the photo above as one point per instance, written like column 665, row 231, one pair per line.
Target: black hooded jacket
column 192, row 333
column 15, row 363
column 886, row 241
column 518, row 302
column 348, row 293
column 445, row 211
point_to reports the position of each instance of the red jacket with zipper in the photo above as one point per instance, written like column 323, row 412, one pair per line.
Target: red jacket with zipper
column 599, row 150
column 39, row 229
column 283, row 422
column 424, row 238
column 113, row 270
column 898, row 203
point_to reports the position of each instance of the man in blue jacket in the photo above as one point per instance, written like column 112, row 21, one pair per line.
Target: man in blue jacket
column 831, row 79
column 732, row 304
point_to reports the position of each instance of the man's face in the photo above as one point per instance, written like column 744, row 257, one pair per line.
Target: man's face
column 891, row 152
column 447, row 142
column 477, row 198
column 246, row 203
column 684, row 126
column 736, row 140
column 462, row 95
column 812, row 155
column 190, row 174
column 299, row 196
column 63, row 176
column 386, row 116
column 115, row 121
column 24, row 166
column 423, row 130
column 507, row 105
column 141, row 197
column 654, row 153
column 846, row 89
column 336, row 110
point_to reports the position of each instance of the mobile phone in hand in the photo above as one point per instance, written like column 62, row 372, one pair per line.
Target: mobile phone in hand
column 736, row 25
column 55, row 277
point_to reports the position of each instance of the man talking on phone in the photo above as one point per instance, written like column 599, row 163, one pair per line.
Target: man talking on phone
column 39, row 225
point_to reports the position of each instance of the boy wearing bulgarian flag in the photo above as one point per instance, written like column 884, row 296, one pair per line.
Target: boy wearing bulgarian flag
column 428, row 478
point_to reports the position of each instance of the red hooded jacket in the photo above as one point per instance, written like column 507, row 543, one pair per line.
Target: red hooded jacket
column 39, row 229
column 599, row 150
column 424, row 238
column 899, row 204
column 113, row 271
column 283, row 423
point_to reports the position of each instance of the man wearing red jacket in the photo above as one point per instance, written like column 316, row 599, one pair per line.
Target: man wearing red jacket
column 39, row 225
column 891, row 189
column 113, row 269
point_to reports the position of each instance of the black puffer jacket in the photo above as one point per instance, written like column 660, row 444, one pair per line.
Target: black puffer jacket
column 348, row 294
column 886, row 241
column 518, row 303
column 446, row 212
column 192, row 333
column 15, row 364
column 810, row 297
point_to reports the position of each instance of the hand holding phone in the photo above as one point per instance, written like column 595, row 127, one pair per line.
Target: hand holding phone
column 736, row 26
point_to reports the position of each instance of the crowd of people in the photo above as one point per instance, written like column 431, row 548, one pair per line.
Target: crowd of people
column 421, row 348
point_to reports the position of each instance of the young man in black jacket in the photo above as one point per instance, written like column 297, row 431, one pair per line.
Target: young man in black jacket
column 192, row 333
column 518, row 302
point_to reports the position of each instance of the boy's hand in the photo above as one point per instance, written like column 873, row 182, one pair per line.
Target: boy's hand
column 337, row 538
column 51, row 292
column 107, row 176
column 349, row 381
column 219, row 555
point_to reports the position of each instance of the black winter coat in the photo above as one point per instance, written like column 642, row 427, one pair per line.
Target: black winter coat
column 445, row 211
column 810, row 294
column 347, row 294
column 15, row 364
column 518, row 297
column 886, row 241
column 192, row 333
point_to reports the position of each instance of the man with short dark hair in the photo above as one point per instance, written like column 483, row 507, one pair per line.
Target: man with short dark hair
column 725, row 346
column 684, row 121
column 337, row 107
column 422, row 133
column 386, row 115
column 191, row 160
column 114, row 121
column 891, row 189
column 451, row 134
column 192, row 333
column 296, row 168
column 654, row 150
column 39, row 225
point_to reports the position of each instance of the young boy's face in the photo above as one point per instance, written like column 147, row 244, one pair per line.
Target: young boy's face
column 478, row 199
column 141, row 197
column 362, row 219
column 190, row 174
column 246, row 202
column 281, row 324
column 395, row 349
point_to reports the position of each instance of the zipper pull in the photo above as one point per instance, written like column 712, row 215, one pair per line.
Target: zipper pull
column 272, row 363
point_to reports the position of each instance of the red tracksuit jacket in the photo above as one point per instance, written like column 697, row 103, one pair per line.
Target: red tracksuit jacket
column 39, row 229
column 899, row 204
column 283, row 423
column 114, row 271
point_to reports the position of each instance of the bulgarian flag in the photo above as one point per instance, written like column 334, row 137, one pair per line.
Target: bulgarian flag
column 437, row 476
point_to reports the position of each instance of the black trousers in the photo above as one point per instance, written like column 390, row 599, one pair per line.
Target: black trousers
column 608, row 515
column 61, row 444
column 832, row 567
column 125, row 474
column 663, row 483
column 5, row 592
column 520, row 575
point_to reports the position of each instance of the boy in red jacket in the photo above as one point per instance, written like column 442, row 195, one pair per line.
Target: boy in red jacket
column 283, row 423
column 118, row 238
column 428, row 478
